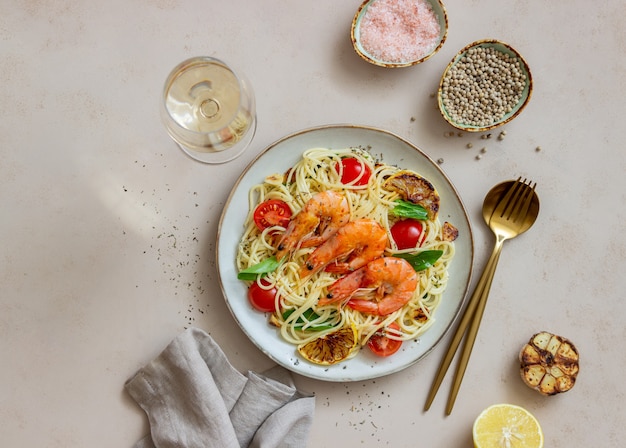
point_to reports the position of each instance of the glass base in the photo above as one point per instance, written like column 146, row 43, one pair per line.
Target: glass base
column 216, row 157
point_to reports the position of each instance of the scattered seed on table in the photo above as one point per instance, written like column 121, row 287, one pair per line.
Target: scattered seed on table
column 483, row 150
column 440, row 161
column 478, row 157
column 538, row 148
column 469, row 146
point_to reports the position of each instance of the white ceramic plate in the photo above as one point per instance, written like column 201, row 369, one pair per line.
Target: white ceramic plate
column 277, row 158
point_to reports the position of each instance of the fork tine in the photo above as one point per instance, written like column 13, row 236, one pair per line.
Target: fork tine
column 522, row 210
column 506, row 199
column 512, row 205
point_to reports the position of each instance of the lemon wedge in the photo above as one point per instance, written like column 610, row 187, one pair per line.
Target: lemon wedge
column 331, row 348
column 507, row 426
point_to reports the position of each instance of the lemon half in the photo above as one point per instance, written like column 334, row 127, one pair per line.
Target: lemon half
column 507, row 426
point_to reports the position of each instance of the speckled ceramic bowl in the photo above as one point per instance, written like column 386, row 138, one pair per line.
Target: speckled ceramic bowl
column 508, row 116
column 355, row 34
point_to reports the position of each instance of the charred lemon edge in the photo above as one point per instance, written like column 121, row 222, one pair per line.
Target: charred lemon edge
column 415, row 189
column 324, row 362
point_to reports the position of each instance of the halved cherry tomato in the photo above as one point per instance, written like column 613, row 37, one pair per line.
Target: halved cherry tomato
column 272, row 212
column 381, row 345
column 261, row 298
column 351, row 169
column 407, row 233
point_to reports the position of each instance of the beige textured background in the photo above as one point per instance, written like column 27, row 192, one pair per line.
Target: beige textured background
column 107, row 230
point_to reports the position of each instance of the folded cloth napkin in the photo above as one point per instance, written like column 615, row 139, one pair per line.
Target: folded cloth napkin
column 195, row 398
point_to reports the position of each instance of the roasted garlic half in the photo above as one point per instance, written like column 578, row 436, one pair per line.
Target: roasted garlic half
column 549, row 363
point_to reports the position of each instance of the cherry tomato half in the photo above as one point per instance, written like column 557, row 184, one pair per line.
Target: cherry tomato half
column 407, row 233
column 351, row 169
column 381, row 345
column 272, row 212
column 261, row 298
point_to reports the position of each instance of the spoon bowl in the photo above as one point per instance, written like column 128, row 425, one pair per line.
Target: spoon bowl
column 496, row 194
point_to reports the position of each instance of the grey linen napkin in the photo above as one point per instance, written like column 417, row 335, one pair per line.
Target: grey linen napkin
column 194, row 397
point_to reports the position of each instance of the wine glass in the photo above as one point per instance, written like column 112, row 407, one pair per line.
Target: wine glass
column 209, row 110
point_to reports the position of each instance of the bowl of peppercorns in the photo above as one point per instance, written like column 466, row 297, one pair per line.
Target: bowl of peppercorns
column 487, row 84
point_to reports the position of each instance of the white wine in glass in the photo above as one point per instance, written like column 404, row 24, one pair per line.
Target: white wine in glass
column 209, row 110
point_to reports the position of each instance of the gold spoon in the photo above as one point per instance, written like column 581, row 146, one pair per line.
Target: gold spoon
column 509, row 209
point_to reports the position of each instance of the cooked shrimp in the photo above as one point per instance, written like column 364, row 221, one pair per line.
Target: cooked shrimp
column 318, row 220
column 380, row 287
column 353, row 246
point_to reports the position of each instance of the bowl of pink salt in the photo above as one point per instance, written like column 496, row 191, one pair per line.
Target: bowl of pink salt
column 399, row 33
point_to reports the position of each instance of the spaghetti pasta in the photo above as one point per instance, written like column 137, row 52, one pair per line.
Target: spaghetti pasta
column 297, row 314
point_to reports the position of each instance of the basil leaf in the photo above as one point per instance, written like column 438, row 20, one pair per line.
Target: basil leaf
column 266, row 266
column 422, row 260
column 405, row 209
column 309, row 315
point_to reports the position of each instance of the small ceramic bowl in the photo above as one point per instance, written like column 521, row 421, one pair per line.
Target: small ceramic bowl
column 442, row 19
column 499, row 119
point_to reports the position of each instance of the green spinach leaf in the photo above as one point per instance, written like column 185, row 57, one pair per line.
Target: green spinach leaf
column 309, row 315
column 406, row 209
column 265, row 267
column 422, row 260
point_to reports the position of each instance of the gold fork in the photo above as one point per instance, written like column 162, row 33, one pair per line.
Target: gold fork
column 507, row 216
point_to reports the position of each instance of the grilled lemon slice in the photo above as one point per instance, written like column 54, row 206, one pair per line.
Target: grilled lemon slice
column 332, row 347
column 415, row 189
column 549, row 363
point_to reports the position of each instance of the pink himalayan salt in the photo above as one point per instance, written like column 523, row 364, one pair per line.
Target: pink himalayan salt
column 399, row 30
